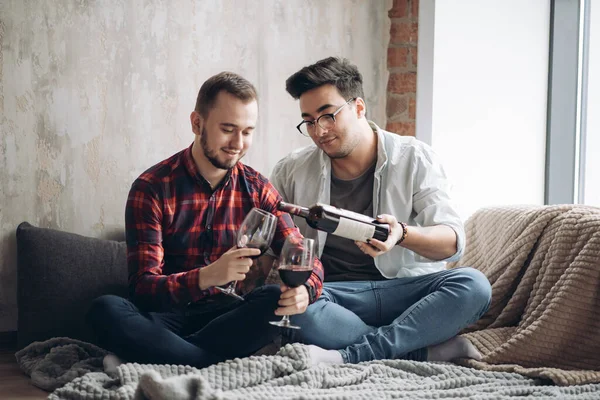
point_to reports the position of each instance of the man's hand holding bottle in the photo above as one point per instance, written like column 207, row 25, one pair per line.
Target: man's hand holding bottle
column 376, row 247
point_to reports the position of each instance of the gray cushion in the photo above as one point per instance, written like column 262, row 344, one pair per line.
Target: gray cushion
column 58, row 275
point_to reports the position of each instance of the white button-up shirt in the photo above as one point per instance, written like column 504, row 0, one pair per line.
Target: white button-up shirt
column 409, row 184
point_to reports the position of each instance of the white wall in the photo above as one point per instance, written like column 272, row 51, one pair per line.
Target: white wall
column 489, row 94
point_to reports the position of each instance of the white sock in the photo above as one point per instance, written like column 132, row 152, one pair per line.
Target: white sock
column 457, row 347
column 319, row 355
column 110, row 363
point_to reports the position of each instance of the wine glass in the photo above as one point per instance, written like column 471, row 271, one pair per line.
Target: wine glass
column 295, row 267
column 257, row 232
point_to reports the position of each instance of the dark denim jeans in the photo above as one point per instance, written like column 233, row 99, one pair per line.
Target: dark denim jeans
column 199, row 336
column 396, row 318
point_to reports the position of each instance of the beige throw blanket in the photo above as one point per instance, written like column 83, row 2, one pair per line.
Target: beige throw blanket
column 544, row 267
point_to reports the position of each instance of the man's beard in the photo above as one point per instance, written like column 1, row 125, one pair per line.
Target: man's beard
column 345, row 149
column 212, row 155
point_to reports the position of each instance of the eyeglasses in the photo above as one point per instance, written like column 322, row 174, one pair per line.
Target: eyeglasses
column 325, row 121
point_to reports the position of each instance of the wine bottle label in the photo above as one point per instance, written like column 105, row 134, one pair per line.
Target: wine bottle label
column 346, row 213
column 354, row 230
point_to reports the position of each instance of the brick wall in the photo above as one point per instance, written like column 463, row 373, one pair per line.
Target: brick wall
column 402, row 64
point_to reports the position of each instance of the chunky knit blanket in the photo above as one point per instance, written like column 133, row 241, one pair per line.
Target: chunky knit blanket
column 56, row 362
column 286, row 375
column 544, row 267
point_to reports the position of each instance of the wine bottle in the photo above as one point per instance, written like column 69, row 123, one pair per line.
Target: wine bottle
column 339, row 222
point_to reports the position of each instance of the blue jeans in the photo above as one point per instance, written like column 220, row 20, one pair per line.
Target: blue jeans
column 196, row 336
column 396, row 318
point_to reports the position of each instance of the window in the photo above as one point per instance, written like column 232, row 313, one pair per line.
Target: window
column 591, row 117
column 489, row 99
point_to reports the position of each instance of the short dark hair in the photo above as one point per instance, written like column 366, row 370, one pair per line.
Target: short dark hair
column 335, row 71
column 228, row 81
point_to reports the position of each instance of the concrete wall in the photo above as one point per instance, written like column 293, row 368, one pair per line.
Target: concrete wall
column 94, row 92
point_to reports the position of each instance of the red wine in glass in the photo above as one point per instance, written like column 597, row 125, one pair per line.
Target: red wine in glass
column 293, row 276
column 295, row 267
column 263, row 247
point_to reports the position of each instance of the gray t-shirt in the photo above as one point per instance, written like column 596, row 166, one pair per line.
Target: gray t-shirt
column 342, row 259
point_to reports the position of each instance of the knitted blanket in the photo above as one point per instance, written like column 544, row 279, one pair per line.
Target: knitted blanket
column 288, row 375
column 544, row 267
column 56, row 362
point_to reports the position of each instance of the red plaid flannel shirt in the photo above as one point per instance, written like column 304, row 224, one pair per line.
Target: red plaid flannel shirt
column 175, row 224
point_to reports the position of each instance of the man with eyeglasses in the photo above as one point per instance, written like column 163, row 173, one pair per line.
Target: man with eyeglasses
column 380, row 300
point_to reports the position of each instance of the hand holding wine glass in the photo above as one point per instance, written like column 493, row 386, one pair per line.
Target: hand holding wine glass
column 257, row 231
column 295, row 267
column 233, row 265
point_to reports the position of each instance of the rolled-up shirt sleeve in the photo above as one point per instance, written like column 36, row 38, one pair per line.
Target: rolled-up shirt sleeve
column 431, row 199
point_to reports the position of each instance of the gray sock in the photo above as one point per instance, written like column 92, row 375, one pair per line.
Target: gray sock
column 457, row 347
column 110, row 363
column 319, row 355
